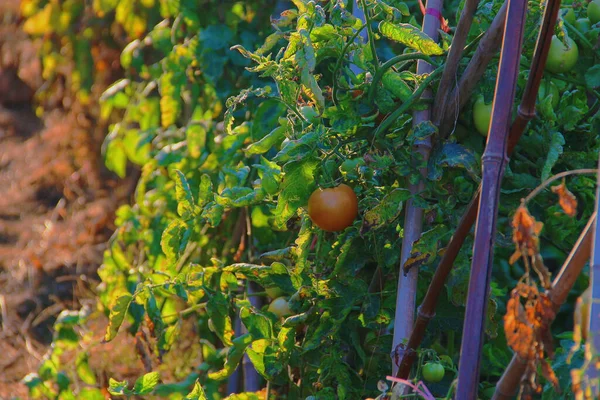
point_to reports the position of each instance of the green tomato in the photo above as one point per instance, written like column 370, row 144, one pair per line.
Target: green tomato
column 310, row 114
column 593, row 11
column 548, row 88
column 562, row 56
column 583, row 25
column 274, row 292
column 433, row 372
column 280, row 307
column 569, row 15
column 482, row 115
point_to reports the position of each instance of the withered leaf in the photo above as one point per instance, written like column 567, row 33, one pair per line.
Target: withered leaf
column 549, row 374
column 566, row 199
column 526, row 231
column 542, row 271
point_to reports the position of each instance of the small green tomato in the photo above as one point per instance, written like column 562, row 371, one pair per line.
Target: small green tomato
column 280, row 307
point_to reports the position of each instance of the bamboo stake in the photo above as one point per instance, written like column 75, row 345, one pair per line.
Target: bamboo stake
column 494, row 159
column 526, row 113
column 413, row 220
column 486, row 50
column 593, row 342
column 508, row 385
column 453, row 60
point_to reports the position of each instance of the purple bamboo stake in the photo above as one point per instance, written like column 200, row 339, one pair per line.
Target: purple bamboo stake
column 413, row 219
column 494, row 159
column 592, row 371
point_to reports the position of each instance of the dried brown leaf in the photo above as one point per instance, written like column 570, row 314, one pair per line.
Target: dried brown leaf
column 542, row 271
column 566, row 199
column 549, row 374
column 526, row 231
column 519, row 332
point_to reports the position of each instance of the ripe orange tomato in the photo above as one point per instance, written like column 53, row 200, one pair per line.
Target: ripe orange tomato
column 333, row 209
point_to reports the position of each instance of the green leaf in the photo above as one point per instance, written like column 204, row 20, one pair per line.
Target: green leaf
column 172, row 239
column 196, row 139
column 205, row 194
column 234, row 356
column 145, row 384
column 296, row 187
column 422, row 131
column 410, row 36
column 396, row 85
column 197, row 393
column 117, row 316
column 83, row 369
column 170, row 97
column 425, row 249
column 453, row 155
column 557, row 142
column 273, row 138
column 266, row 118
column 220, row 322
column 118, row 388
column 115, row 154
column 592, row 77
column 153, row 312
column 243, row 396
column 312, row 88
column 385, row 211
column 572, row 109
column 183, row 194
column 239, row 197
column 258, row 325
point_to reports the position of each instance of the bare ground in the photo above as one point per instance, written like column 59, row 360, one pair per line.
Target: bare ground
column 57, row 205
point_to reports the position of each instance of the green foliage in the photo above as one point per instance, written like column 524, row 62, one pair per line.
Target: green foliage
column 233, row 123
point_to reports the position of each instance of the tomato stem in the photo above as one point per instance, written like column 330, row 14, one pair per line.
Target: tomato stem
column 389, row 64
column 370, row 34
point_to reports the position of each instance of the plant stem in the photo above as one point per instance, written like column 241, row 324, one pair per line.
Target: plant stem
column 556, row 177
column 390, row 119
column 370, row 34
column 339, row 63
column 389, row 64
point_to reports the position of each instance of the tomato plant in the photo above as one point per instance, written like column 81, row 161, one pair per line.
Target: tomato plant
column 242, row 126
